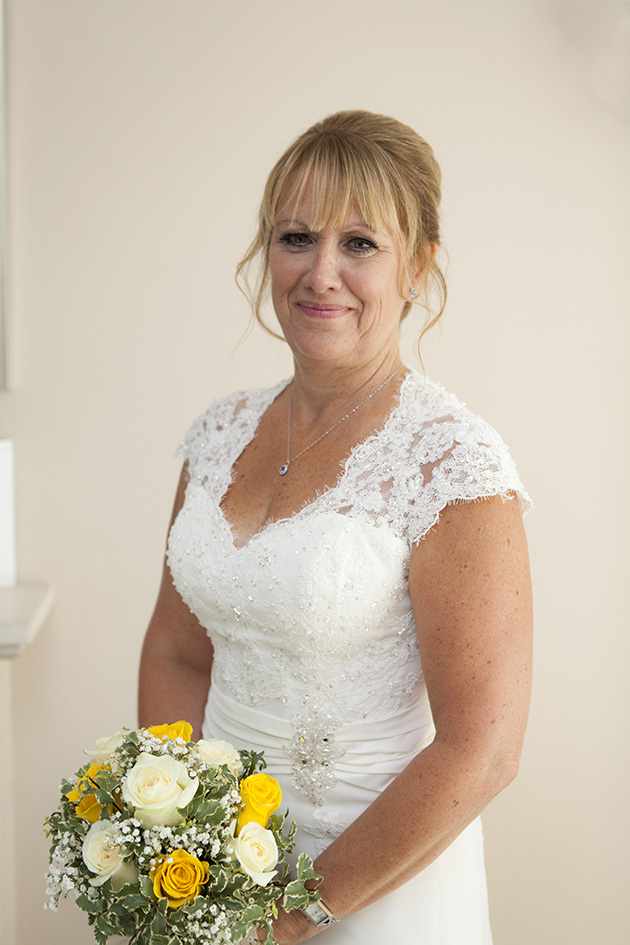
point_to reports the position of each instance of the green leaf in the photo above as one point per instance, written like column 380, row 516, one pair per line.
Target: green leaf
column 285, row 842
column 221, row 788
column 250, row 916
column 132, row 739
column 162, row 907
column 100, row 937
column 297, row 896
column 228, row 903
column 146, row 887
column 118, row 909
column 130, row 904
column 128, row 924
column 199, row 903
column 209, row 812
column 218, row 878
column 133, row 902
column 107, row 927
column 251, row 761
column 144, row 937
column 238, row 881
column 305, row 868
column 270, row 940
column 284, row 875
column 92, row 906
column 158, row 924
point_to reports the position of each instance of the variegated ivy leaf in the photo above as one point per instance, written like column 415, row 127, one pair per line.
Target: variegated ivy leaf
column 158, row 925
column 105, row 927
column 210, row 813
column 100, row 937
column 305, row 869
column 92, row 906
column 146, row 887
column 297, row 896
column 241, row 927
column 220, row 878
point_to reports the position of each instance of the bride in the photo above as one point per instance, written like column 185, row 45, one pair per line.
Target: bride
column 347, row 583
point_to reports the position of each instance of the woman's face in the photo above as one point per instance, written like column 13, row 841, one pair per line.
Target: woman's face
column 336, row 292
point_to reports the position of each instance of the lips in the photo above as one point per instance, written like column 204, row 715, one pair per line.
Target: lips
column 321, row 310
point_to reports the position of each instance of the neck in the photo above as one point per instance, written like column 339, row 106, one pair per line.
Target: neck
column 319, row 389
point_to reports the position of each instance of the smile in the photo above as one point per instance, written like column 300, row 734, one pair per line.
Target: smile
column 317, row 310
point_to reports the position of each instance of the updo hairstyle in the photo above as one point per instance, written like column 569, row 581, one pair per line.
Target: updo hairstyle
column 375, row 163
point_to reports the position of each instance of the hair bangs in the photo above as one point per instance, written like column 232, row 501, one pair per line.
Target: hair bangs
column 340, row 181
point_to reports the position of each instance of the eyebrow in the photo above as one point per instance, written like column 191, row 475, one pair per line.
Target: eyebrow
column 350, row 226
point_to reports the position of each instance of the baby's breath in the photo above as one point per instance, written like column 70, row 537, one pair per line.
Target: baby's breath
column 206, row 832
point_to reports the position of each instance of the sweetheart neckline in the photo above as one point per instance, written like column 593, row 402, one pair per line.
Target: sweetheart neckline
column 272, row 394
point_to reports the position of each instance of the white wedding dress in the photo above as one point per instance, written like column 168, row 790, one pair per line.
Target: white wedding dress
column 316, row 652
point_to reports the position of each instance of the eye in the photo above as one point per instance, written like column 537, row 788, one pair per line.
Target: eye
column 295, row 238
column 361, row 245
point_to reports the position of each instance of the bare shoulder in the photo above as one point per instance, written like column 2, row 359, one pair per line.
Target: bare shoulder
column 478, row 536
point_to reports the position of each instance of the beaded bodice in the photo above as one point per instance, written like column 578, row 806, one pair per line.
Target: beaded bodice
column 312, row 617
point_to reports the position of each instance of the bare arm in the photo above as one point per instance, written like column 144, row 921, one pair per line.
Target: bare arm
column 470, row 590
column 176, row 656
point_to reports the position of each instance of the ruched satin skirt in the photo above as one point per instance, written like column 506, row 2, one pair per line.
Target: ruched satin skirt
column 445, row 904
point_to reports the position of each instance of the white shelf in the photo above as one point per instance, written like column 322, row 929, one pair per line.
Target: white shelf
column 23, row 610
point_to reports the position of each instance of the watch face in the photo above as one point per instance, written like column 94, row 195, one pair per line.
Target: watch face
column 318, row 914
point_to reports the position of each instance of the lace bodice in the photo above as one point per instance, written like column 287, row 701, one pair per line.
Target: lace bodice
column 312, row 618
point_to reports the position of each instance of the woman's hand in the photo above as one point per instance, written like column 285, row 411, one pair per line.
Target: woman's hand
column 290, row 928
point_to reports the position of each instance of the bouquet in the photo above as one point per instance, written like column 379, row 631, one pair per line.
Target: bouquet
column 174, row 842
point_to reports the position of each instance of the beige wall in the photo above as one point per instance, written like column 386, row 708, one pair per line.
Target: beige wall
column 139, row 134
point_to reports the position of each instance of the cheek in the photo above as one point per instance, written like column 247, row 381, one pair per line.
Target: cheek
column 279, row 288
column 277, row 272
column 284, row 273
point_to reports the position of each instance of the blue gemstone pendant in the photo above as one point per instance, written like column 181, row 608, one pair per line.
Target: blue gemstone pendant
column 284, row 469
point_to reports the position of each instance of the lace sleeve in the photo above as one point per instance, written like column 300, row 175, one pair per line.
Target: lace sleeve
column 210, row 436
column 458, row 458
column 220, row 434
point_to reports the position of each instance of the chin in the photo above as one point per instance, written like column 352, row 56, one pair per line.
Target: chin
column 324, row 350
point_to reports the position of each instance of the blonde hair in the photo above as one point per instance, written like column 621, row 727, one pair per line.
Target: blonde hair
column 375, row 163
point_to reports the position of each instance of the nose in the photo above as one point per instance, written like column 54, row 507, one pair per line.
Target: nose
column 323, row 274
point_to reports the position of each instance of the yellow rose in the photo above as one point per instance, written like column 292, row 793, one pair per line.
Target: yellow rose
column 86, row 805
column 178, row 878
column 261, row 795
column 174, row 730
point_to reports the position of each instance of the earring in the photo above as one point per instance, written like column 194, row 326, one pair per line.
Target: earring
column 413, row 292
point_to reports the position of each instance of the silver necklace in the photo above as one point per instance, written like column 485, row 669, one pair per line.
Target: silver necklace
column 285, row 466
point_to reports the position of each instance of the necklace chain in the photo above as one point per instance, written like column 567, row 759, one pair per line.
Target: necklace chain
column 285, row 467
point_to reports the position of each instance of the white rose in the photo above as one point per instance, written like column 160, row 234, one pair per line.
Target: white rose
column 102, row 856
column 257, row 852
column 106, row 746
column 158, row 787
column 215, row 752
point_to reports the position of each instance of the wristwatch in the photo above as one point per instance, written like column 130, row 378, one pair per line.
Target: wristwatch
column 319, row 914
